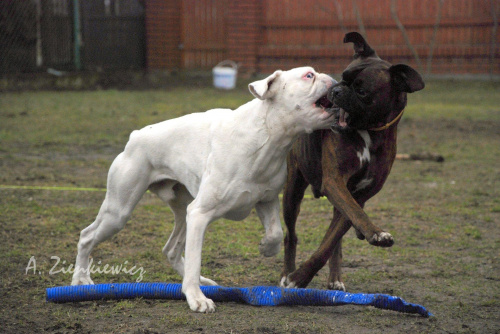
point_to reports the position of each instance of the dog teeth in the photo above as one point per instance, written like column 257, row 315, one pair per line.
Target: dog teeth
column 342, row 118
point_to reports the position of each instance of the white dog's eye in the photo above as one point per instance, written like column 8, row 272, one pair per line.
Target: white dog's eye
column 309, row 75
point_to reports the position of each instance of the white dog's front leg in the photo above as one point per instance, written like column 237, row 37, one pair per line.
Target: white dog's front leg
column 197, row 223
column 269, row 214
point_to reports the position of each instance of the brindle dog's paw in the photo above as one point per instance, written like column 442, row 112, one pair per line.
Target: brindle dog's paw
column 382, row 239
column 337, row 285
column 287, row 283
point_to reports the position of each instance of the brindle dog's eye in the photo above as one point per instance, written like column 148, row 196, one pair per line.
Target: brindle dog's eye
column 358, row 87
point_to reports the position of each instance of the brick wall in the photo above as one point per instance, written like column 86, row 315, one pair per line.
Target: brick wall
column 244, row 33
column 163, row 34
column 264, row 35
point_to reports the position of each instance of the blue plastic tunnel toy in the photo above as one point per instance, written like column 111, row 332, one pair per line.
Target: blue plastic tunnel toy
column 257, row 296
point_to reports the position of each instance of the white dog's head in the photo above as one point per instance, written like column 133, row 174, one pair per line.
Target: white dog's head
column 301, row 92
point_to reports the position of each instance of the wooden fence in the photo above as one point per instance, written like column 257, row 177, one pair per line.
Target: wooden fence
column 203, row 32
column 434, row 36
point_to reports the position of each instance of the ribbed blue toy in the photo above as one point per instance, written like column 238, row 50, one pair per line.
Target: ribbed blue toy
column 257, row 296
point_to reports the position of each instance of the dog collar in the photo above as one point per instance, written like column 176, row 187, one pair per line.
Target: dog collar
column 382, row 128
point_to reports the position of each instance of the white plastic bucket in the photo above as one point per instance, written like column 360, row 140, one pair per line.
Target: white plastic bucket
column 224, row 74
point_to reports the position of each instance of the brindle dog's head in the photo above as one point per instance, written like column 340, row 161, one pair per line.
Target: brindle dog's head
column 372, row 90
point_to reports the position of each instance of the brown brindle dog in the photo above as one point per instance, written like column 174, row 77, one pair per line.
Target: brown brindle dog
column 349, row 163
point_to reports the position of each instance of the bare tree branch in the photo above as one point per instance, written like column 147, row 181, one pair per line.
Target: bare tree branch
column 405, row 35
column 493, row 35
column 340, row 16
column 338, row 10
column 434, row 36
column 361, row 26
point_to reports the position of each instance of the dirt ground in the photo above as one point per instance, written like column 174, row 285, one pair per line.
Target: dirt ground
column 445, row 218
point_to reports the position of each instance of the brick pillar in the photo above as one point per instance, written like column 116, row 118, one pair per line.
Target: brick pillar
column 163, row 34
column 244, row 33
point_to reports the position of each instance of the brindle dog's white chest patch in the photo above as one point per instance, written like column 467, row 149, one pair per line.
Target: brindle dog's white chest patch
column 364, row 155
column 364, row 158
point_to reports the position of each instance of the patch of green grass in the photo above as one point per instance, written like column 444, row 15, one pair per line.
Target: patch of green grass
column 454, row 99
column 444, row 218
column 472, row 232
column 99, row 117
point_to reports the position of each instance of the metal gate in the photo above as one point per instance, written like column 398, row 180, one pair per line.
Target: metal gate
column 40, row 34
column 35, row 35
column 56, row 23
column 203, row 33
column 113, row 34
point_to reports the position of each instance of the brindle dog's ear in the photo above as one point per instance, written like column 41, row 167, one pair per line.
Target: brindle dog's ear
column 361, row 48
column 406, row 79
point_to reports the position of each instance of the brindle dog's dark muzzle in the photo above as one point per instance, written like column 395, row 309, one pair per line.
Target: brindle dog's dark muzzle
column 337, row 95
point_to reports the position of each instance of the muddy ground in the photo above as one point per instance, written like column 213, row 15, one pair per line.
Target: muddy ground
column 445, row 218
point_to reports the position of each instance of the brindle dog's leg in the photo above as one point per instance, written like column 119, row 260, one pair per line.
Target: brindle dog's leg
column 334, row 187
column 301, row 277
column 335, row 263
column 347, row 212
column 335, row 279
column 293, row 194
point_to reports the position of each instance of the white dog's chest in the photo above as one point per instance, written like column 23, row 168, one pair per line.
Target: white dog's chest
column 240, row 200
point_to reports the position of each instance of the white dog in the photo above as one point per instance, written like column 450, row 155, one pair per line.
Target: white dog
column 220, row 163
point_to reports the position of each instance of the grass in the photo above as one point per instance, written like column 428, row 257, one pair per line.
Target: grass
column 445, row 219
column 452, row 99
column 111, row 115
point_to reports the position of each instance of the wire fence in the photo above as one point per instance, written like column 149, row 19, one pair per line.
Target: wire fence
column 20, row 49
column 435, row 36
column 36, row 35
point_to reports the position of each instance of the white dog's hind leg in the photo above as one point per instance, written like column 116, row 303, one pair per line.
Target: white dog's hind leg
column 269, row 215
column 178, row 198
column 127, row 183
column 197, row 222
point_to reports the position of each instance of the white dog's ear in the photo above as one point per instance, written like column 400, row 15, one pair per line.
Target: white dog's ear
column 264, row 89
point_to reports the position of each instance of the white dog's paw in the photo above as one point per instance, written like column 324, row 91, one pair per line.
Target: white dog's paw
column 200, row 303
column 207, row 281
column 382, row 239
column 269, row 248
column 286, row 283
column 82, row 280
column 337, row 285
